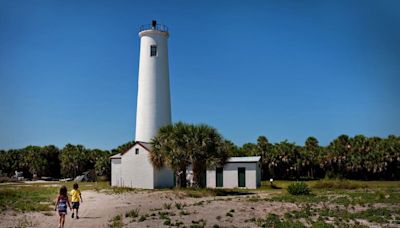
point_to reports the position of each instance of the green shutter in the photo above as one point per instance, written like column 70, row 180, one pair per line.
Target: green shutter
column 242, row 177
column 219, row 177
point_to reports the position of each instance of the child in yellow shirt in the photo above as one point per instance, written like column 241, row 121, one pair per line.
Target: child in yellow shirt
column 76, row 198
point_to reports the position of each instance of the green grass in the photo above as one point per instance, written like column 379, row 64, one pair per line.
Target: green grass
column 316, row 217
column 116, row 222
column 28, row 198
column 38, row 196
column 273, row 220
column 207, row 192
column 334, row 184
column 345, row 197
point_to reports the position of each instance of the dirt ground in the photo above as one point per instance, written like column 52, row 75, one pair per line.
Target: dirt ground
column 99, row 208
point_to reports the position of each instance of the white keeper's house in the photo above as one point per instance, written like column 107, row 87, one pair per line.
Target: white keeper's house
column 132, row 168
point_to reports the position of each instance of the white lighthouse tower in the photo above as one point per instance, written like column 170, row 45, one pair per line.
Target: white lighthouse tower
column 132, row 168
column 153, row 100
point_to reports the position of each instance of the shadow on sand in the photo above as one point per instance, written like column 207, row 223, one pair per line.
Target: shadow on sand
column 88, row 217
column 222, row 192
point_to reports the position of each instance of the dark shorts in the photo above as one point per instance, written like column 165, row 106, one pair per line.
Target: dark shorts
column 75, row 205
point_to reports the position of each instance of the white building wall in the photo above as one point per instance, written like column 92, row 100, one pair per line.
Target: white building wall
column 116, row 178
column 153, row 100
column 211, row 178
column 137, row 170
column 230, row 175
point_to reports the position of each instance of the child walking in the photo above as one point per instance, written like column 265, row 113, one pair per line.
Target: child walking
column 61, row 205
column 76, row 197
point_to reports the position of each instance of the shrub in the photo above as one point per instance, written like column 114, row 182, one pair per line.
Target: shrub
column 142, row 218
column 167, row 206
column 115, row 222
column 272, row 220
column 184, row 212
column 299, row 188
column 178, row 206
column 167, row 222
column 133, row 213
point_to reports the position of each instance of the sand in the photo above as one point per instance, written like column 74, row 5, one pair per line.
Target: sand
column 99, row 208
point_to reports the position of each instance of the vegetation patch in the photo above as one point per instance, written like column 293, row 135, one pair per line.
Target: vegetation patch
column 179, row 206
column 198, row 223
column 132, row 213
column 167, row 206
column 27, row 198
column 299, row 188
column 273, row 220
column 338, row 184
column 115, row 222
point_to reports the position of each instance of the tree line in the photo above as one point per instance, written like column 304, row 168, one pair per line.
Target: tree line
column 50, row 161
column 201, row 146
column 180, row 145
column 358, row 157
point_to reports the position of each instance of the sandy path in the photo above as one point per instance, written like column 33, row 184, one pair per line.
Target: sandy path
column 95, row 211
column 98, row 208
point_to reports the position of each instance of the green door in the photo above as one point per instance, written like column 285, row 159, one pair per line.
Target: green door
column 242, row 177
column 219, row 177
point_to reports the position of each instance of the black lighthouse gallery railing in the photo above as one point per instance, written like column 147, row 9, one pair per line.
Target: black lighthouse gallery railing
column 154, row 26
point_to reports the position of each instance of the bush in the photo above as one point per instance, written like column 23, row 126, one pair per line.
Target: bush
column 299, row 188
column 132, row 213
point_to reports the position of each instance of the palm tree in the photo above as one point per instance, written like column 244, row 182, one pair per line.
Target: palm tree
column 170, row 149
column 73, row 160
column 34, row 161
column 335, row 160
column 180, row 145
column 263, row 147
column 311, row 154
column 207, row 150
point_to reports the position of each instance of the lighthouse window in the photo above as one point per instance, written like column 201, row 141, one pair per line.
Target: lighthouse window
column 137, row 151
column 153, row 50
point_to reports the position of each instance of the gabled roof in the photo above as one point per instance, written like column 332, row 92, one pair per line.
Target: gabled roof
column 145, row 145
column 116, row 156
column 244, row 159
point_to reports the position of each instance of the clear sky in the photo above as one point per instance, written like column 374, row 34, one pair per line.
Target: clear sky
column 283, row 69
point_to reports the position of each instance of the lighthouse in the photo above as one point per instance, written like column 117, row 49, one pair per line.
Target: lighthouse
column 132, row 168
column 153, row 99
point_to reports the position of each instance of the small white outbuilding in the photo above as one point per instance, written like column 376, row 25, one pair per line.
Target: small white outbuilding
column 238, row 172
column 133, row 169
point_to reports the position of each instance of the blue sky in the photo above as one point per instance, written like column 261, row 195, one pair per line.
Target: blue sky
column 283, row 69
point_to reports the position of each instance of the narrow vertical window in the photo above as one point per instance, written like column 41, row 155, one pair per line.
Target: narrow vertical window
column 153, row 50
column 219, row 177
column 137, row 151
column 242, row 177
